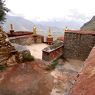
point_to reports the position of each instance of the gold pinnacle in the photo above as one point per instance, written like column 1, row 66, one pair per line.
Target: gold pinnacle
column 49, row 33
column 34, row 30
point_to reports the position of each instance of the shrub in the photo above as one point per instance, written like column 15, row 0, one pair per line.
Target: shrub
column 27, row 56
column 53, row 64
column 24, row 56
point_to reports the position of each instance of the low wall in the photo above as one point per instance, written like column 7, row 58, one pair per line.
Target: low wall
column 52, row 55
column 26, row 40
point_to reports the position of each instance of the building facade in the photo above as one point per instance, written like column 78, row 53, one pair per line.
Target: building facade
column 52, row 52
column 78, row 44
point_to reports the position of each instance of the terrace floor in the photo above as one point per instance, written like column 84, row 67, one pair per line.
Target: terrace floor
column 35, row 49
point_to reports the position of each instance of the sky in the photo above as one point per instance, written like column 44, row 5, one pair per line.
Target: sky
column 44, row 10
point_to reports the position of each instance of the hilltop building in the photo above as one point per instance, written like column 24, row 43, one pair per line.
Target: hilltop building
column 13, row 33
column 53, row 51
column 22, row 37
column 78, row 44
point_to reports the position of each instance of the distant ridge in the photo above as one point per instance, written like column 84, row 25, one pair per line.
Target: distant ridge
column 19, row 23
column 57, row 26
column 22, row 24
column 90, row 25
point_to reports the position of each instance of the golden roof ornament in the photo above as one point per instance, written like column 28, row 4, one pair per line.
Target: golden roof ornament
column 49, row 34
column 34, row 30
column 66, row 28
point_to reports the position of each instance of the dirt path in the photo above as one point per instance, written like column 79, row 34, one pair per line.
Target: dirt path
column 65, row 76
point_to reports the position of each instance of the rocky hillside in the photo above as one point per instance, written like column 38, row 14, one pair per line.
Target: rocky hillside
column 26, row 79
column 90, row 25
column 85, row 84
column 7, row 51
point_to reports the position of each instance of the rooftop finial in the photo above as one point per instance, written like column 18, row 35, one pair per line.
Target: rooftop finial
column 49, row 33
column 66, row 28
column 11, row 26
column 34, row 30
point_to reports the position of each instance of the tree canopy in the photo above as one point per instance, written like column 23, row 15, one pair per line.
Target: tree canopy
column 3, row 11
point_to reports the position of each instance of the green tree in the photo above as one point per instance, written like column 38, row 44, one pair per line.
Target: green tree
column 3, row 11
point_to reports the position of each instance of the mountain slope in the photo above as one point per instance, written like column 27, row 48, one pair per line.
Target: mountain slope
column 19, row 23
column 90, row 25
column 57, row 26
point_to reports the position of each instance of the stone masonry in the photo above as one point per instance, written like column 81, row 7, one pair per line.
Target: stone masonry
column 78, row 45
column 6, row 50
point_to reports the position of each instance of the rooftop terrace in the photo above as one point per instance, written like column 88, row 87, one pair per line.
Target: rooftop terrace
column 81, row 32
column 55, row 46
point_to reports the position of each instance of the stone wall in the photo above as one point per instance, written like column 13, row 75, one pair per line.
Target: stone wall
column 22, row 41
column 50, row 56
column 45, row 56
column 78, row 45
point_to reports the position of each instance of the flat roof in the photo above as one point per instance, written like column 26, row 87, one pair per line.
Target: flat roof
column 81, row 32
column 53, row 47
column 22, row 33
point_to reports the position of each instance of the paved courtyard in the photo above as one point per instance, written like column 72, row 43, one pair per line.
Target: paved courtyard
column 35, row 49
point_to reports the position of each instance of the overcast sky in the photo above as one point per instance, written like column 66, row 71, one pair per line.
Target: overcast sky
column 43, row 10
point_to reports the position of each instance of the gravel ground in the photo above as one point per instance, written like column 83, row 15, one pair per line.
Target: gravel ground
column 65, row 76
